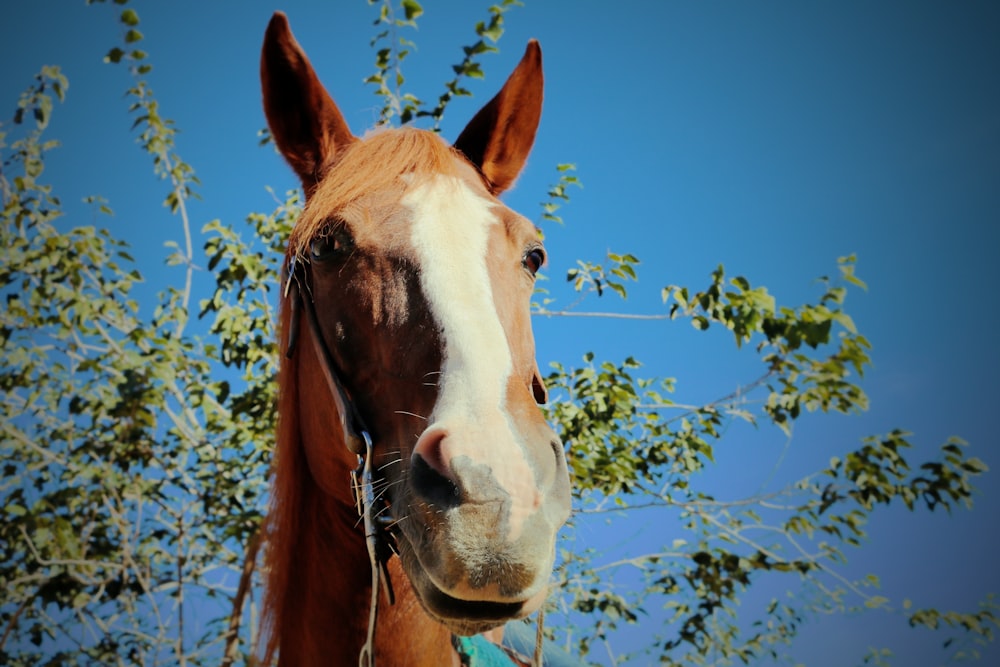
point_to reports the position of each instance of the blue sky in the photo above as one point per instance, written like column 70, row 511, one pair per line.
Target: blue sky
column 772, row 138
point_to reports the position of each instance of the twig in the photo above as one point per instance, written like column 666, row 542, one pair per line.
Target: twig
column 621, row 316
column 249, row 564
column 13, row 621
column 180, row 592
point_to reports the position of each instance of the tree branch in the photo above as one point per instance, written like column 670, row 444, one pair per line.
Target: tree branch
column 246, row 577
column 13, row 621
column 544, row 312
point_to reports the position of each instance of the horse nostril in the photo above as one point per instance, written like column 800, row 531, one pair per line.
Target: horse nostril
column 432, row 448
column 558, row 452
column 430, row 471
column 431, row 486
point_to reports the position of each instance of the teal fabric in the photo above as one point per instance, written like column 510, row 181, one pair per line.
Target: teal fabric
column 478, row 651
column 521, row 638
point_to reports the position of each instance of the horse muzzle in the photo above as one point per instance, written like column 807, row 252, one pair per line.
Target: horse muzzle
column 479, row 537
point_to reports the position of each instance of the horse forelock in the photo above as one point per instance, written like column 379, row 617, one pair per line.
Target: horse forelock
column 384, row 160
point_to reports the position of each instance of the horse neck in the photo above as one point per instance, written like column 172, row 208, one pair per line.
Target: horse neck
column 325, row 618
column 319, row 585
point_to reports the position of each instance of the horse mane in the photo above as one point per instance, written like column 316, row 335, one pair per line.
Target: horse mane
column 301, row 517
column 289, row 475
column 361, row 168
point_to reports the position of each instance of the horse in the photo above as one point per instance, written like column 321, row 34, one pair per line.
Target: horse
column 408, row 367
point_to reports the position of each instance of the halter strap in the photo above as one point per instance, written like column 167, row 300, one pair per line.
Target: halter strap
column 347, row 412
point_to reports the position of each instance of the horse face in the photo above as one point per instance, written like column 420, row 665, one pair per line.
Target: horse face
column 421, row 281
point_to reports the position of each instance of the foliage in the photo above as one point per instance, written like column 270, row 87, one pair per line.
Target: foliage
column 135, row 452
column 388, row 76
column 557, row 193
column 125, row 472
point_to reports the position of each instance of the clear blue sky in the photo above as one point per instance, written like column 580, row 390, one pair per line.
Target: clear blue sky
column 770, row 138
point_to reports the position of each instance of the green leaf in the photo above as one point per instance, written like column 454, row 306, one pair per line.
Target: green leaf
column 876, row 601
column 114, row 55
column 412, row 9
column 129, row 17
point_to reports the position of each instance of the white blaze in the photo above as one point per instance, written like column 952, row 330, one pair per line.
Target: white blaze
column 451, row 228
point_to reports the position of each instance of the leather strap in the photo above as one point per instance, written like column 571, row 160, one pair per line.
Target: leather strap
column 347, row 413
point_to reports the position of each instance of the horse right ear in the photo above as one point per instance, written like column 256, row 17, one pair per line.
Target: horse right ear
column 499, row 137
column 307, row 126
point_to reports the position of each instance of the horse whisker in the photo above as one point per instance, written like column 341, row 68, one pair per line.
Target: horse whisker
column 384, row 487
column 411, row 414
column 389, row 463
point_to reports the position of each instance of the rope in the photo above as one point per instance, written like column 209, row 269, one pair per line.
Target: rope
column 366, row 658
column 539, row 637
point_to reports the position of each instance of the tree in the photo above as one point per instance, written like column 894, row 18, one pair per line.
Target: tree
column 136, row 446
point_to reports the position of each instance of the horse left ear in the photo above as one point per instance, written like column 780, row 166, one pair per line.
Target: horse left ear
column 499, row 137
column 307, row 126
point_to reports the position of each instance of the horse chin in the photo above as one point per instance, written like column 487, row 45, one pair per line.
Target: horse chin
column 464, row 617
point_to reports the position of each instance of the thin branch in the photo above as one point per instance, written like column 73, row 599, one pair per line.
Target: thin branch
column 41, row 451
column 740, row 537
column 180, row 593
column 13, row 621
column 827, row 570
column 544, row 312
column 181, row 199
column 638, row 562
column 246, row 577
column 5, row 195
column 733, row 396
column 130, row 562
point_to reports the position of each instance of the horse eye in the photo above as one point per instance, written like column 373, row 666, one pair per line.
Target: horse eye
column 329, row 245
column 534, row 259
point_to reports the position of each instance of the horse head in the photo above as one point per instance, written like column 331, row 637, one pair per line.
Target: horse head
column 420, row 279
